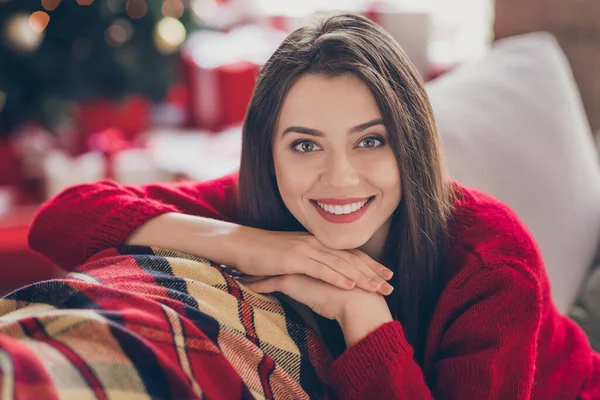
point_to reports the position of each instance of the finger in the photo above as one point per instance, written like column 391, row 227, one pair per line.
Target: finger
column 324, row 273
column 360, row 263
column 373, row 266
column 268, row 285
column 292, row 285
column 349, row 267
column 376, row 267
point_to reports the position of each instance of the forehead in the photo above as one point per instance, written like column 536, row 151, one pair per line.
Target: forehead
column 328, row 103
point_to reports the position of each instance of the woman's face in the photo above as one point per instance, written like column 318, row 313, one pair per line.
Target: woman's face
column 335, row 170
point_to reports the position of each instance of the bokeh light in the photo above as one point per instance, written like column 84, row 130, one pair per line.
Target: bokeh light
column 19, row 34
column 50, row 5
column 169, row 35
column 136, row 9
column 38, row 21
column 85, row 2
column 118, row 33
column 172, row 8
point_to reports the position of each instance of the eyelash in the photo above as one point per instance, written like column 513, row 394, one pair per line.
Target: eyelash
column 300, row 142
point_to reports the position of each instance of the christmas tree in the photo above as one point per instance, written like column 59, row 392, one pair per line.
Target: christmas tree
column 55, row 53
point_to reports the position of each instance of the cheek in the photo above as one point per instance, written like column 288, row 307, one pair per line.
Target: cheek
column 383, row 173
column 293, row 178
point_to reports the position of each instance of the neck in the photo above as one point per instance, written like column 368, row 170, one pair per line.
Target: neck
column 374, row 246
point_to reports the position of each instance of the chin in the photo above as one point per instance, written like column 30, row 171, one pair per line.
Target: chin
column 342, row 242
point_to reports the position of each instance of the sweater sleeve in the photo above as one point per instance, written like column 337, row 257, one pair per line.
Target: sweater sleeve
column 86, row 219
column 487, row 348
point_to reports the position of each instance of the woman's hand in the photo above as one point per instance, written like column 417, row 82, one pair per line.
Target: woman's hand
column 357, row 311
column 262, row 253
column 265, row 253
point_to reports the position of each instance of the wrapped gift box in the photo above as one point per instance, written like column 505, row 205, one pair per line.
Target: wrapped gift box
column 131, row 116
column 221, row 69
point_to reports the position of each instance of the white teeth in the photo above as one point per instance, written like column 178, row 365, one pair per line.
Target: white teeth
column 345, row 209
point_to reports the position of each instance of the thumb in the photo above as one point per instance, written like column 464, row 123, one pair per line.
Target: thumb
column 268, row 285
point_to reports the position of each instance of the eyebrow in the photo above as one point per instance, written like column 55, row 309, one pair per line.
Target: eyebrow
column 316, row 132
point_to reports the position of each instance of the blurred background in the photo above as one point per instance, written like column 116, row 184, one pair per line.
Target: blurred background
column 155, row 90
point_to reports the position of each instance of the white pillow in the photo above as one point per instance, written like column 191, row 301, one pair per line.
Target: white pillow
column 513, row 126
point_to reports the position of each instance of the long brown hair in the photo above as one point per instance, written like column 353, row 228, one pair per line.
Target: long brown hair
column 415, row 246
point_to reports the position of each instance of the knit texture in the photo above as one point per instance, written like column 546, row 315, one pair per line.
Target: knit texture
column 93, row 217
column 147, row 323
column 495, row 333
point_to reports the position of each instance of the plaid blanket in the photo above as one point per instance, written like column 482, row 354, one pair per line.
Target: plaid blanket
column 141, row 323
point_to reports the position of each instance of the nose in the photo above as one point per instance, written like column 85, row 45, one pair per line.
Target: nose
column 339, row 172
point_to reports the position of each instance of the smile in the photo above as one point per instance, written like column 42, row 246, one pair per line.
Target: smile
column 342, row 210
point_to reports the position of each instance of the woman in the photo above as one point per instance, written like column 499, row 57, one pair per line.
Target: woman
column 341, row 174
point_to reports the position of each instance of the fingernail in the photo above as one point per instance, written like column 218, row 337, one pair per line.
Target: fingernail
column 350, row 283
column 374, row 284
column 387, row 288
column 386, row 273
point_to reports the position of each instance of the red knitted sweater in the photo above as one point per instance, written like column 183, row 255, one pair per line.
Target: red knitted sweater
column 495, row 333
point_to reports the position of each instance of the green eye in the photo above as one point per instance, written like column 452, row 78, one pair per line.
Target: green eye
column 305, row 146
column 370, row 143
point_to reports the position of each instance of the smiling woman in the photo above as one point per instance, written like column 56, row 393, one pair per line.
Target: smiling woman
column 341, row 188
column 342, row 161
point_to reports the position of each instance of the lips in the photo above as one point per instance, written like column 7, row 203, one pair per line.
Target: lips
column 342, row 210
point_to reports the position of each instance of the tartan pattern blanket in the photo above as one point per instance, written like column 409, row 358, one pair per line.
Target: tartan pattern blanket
column 142, row 323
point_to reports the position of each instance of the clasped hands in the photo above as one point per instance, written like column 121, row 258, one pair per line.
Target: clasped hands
column 346, row 286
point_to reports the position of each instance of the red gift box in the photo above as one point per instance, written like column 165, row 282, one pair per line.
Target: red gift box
column 220, row 95
column 221, row 70
column 132, row 116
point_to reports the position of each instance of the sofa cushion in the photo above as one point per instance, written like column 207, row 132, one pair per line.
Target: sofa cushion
column 512, row 125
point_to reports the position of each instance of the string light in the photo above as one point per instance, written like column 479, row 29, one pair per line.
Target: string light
column 38, row 21
column 19, row 34
column 50, row 5
column 172, row 8
column 169, row 35
column 136, row 9
column 118, row 33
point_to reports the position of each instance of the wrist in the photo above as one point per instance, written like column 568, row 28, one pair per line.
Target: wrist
column 358, row 321
column 221, row 242
column 234, row 241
